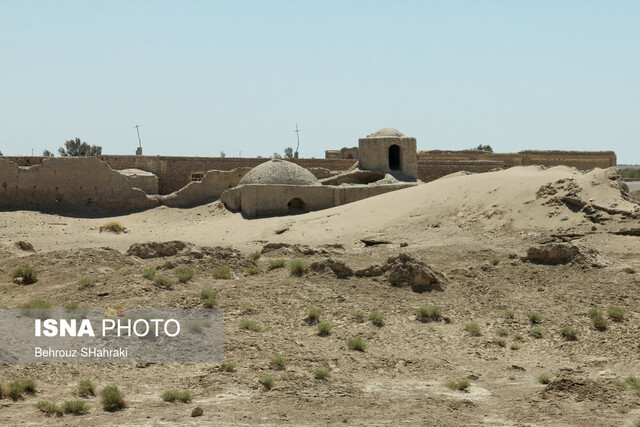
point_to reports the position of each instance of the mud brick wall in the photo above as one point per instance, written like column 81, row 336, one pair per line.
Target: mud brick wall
column 429, row 170
column 175, row 172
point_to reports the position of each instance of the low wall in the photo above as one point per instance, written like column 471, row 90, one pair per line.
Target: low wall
column 69, row 184
column 266, row 200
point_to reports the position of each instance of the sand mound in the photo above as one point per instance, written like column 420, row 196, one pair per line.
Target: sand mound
column 527, row 199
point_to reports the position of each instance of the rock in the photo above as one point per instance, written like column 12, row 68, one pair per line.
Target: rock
column 197, row 412
column 340, row 269
column 552, row 253
column 373, row 271
column 156, row 249
column 25, row 246
column 373, row 241
column 405, row 270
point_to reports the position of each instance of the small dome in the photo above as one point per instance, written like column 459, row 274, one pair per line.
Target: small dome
column 279, row 172
column 386, row 132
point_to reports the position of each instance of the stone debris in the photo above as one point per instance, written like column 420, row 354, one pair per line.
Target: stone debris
column 25, row 246
column 156, row 249
column 406, row 270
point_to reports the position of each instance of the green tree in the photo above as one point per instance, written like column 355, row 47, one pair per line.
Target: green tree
column 276, row 156
column 76, row 148
column 288, row 153
column 484, row 148
column 47, row 153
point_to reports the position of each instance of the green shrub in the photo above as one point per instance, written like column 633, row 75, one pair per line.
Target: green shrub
column 278, row 361
column 508, row 314
column 86, row 388
column 429, row 314
column 324, row 329
column 36, row 308
column 569, row 333
column 75, row 407
column 254, row 256
column 518, row 336
column 177, row 396
column 499, row 342
column 184, row 274
column 277, row 263
column 622, row 410
column 229, row 366
column 494, row 261
column 49, row 408
column 357, row 343
column 536, row 332
column 268, row 382
column 502, row 332
column 376, row 318
column 322, row 373
column 543, row 379
column 534, row 318
column 616, row 313
column 71, row 305
column 28, row 274
column 252, row 271
column 514, row 346
column 634, row 383
column 209, row 297
column 164, row 282
column 297, row 267
column 473, row 328
column 461, row 385
column 112, row 399
column 114, row 227
column 252, row 326
column 221, row 272
column 358, row 315
column 313, row 315
column 85, row 282
column 597, row 318
column 196, row 326
column 149, row 273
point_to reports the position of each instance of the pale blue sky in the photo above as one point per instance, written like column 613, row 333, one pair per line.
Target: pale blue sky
column 208, row 76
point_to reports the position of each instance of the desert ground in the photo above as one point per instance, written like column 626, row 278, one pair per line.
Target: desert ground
column 495, row 248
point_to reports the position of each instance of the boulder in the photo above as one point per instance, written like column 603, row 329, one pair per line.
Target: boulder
column 406, row 270
column 156, row 249
column 552, row 253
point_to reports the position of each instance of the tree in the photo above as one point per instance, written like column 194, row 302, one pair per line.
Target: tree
column 1, row 153
column 484, row 148
column 288, row 153
column 276, row 156
column 223, row 154
column 47, row 153
column 76, row 148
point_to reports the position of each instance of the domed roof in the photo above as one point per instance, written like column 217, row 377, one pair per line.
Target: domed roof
column 386, row 132
column 279, row 172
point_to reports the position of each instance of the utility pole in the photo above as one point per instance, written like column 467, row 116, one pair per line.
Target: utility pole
column 297, row 131
column 139, row 150
column 32, row 152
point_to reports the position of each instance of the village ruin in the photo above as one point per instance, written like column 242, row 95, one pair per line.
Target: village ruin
column 383, row 161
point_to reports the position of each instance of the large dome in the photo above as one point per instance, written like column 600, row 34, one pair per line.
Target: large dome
column 279, row 172
column 386, row 132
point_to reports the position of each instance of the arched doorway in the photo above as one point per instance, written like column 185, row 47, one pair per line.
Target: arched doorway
column 349, row 156
column 394, row 157
column 296, row 205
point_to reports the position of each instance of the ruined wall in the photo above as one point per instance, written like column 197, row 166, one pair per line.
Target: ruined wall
column 175, row 172
column 210, row 188
column 146, row 181
column 264, row 200
column 438, row 163
column 69, row 183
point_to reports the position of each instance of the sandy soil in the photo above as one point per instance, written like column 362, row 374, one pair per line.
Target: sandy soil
column 473, row 229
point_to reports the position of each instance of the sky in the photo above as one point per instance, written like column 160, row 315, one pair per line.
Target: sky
column 205, row 77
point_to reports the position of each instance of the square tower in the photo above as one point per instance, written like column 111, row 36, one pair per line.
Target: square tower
column 389, row 151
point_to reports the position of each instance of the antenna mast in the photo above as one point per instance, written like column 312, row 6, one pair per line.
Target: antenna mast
column 297, row 131
column 139, row 150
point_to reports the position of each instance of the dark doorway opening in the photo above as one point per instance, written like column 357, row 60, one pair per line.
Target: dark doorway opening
column 297, row 206
column 350, row 156
column 394, row 157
